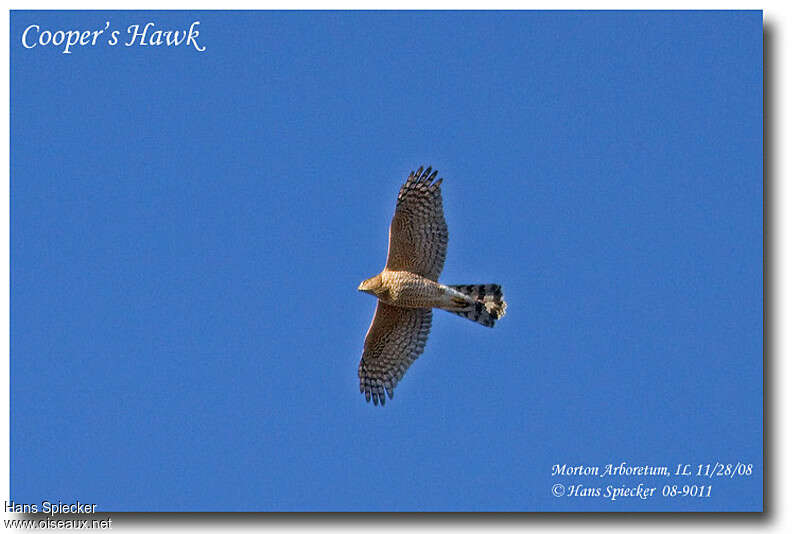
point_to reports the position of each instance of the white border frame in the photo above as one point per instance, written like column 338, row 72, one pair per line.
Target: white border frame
column 781, row 452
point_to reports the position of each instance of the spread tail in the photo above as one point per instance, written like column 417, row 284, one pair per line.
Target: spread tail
column 485, row 303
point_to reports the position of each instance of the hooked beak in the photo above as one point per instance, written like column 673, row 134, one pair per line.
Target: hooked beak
column 361, row 287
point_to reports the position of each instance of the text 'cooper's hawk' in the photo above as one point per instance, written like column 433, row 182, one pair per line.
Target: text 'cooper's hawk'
column 408, row 289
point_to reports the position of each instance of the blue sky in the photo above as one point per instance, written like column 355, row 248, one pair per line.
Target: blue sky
column 188, row 231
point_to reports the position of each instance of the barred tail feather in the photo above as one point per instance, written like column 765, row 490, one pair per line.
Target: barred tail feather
column 485, row 304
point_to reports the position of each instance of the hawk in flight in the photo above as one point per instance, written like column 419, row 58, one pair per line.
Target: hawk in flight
column 408, row 289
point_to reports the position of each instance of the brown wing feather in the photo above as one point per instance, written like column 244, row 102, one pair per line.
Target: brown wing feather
column 395, row 339
column 418, row 235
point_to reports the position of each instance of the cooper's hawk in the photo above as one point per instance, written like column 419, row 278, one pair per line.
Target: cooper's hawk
column 408, row 289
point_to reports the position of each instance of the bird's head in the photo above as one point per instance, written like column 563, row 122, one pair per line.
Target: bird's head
column 370, row 285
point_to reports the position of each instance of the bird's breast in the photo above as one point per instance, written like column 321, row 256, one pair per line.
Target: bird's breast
column 410, row 290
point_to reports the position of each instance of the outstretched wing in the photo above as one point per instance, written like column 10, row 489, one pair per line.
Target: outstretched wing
column 394, row 340
column 418, row 236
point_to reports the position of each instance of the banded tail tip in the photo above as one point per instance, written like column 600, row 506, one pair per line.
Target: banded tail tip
column 486, row 306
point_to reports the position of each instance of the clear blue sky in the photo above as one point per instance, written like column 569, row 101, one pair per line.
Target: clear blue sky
column 188, row 231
